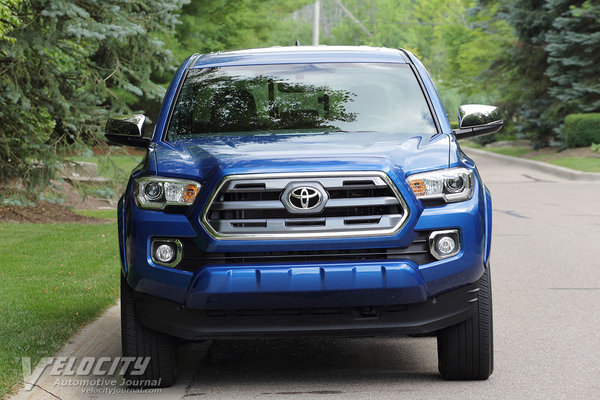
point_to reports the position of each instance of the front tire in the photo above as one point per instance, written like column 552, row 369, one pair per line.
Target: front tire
column 139, row 341
column 466, row 350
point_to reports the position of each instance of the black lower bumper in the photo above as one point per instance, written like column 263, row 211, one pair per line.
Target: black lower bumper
column 438, row 312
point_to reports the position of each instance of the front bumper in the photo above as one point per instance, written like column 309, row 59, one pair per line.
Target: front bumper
column 252, row 299
column 429, row 316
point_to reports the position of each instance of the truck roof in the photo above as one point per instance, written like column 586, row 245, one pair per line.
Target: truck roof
column 300, row 55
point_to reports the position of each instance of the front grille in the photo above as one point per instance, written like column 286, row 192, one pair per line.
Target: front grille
column 417, row 252
column 355, row 204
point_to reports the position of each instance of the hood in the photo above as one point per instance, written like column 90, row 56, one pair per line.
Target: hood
column 203, row 156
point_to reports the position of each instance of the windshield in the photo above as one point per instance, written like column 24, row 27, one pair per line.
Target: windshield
column 300, row 98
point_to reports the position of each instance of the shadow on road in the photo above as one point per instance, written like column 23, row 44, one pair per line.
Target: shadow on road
column 276, row 366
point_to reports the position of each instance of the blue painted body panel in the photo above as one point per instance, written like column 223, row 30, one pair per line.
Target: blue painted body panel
column 300, row 55
column 208, row 159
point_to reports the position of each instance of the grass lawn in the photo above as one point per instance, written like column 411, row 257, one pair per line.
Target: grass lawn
column 105, row 214
column 54, row 278
column 509, row 151
column 515, row 151
column 571, row 159
column 581, row 164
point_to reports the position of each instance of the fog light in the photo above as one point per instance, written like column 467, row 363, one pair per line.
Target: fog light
column 444, row 244
column 166, row 252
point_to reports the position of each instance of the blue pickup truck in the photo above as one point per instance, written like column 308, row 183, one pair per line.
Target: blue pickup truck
column 305, row 191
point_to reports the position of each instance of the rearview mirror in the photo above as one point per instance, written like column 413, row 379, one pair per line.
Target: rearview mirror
column 127, row 130
column 476, row 120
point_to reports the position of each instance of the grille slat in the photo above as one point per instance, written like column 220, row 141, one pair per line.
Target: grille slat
column 272, row 182
column 356, row 204
column 278, row 205
column 248, row 205
column 279, row 224
column 194, row 257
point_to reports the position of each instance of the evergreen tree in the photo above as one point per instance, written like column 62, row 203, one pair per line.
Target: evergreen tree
column 573, row 47
column 70, row 64
column 531, row 22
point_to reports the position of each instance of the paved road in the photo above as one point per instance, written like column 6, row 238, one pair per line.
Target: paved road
column 546, row 286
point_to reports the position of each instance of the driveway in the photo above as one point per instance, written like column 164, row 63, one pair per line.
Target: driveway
column 546, row 284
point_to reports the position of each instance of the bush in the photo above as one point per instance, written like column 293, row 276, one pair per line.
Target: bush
column 582, row 129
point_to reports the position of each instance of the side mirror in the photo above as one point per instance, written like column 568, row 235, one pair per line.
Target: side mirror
column 127, row 130
column 476, row 120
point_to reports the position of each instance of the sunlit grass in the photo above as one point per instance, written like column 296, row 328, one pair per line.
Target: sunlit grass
column 54, row 279
column 510, row 151
column 103, row 214
column 581, row 164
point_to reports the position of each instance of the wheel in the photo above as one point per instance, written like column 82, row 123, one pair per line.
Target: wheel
column 139, row 341
column 466, row 350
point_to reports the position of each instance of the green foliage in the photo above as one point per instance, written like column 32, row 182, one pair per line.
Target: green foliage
column 573, row 46
column 531, row 21
column 421, row 27
column 554, row 63
column 217, row 25
column 70, row 64
column 582, row 129
column 8, row 19
column 595, row 147
column 24, row 136
column 479, row 66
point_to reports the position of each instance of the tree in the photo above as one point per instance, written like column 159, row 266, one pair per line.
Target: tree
column 478, row 67
column 217, row 25
column 531, row 22
column 8, row 18
column 573, row 48
column 72, row 63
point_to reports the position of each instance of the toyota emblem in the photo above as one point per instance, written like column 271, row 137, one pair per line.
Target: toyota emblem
column 304, row 198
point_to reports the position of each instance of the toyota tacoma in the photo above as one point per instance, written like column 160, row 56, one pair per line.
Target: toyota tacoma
column 305, row 191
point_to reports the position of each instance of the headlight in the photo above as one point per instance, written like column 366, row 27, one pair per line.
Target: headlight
column 450, row 185
column 155, row 192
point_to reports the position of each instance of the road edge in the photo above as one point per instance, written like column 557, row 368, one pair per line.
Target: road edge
column 555, row 170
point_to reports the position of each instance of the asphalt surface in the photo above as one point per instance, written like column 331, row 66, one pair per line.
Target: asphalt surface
column 546, row 295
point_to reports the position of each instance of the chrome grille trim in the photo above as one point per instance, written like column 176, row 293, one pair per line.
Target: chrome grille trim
column 309, row 225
